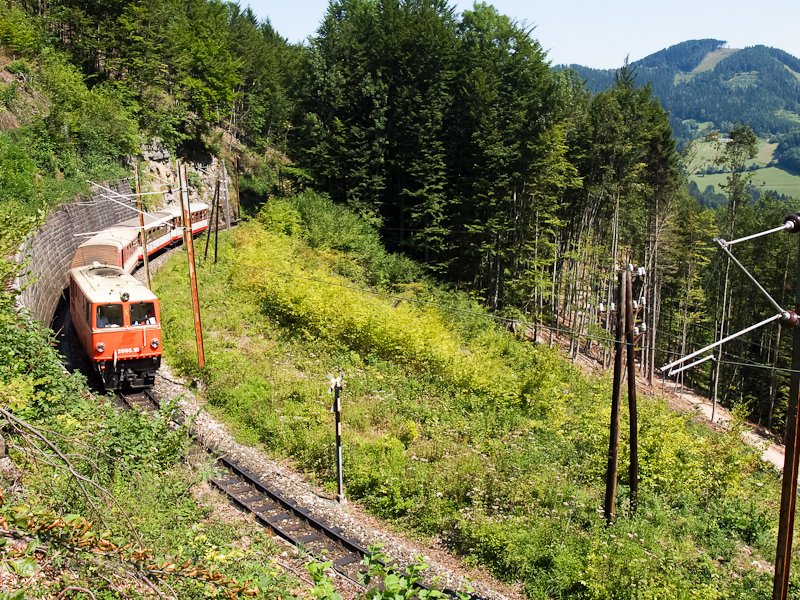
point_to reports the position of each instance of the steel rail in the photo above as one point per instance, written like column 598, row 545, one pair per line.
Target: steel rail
column 285, row 508
column 143, row 399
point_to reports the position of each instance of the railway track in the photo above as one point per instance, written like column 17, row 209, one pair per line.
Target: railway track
column 282, row 515
column 144, row 400
column 289, row 520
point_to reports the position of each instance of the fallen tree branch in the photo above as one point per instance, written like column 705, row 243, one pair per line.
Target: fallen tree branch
column 79, row 478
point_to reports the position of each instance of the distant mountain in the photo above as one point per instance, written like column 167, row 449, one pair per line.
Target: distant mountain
column 704, row 85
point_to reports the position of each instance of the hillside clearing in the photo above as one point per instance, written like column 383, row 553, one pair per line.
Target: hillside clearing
column 767, row 179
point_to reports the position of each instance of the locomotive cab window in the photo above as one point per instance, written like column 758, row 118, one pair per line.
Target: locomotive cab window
column 143, row 313
column 109, row 315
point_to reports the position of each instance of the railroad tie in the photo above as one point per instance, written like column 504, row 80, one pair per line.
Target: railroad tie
column 279, row 517
column 312, row 537
column 346, row 560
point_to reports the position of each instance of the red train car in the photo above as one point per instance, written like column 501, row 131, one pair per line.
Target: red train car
column 118, row 323
column 198, row 216
column 121, row 245
column 116, row 318
column 117, row 246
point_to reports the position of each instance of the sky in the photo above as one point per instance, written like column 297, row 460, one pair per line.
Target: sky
column 599, row 33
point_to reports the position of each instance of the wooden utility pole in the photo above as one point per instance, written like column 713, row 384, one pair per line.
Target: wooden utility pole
column 616, row 394
column 142, row 233
column 227, row 197
column 633, row 471
column 188, row 240
column 216, row 228
column 783, row 554
column 214, row 209
column 236, row 183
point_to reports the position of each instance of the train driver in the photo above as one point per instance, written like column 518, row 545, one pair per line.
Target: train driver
column 109, row 315
column 143, row 314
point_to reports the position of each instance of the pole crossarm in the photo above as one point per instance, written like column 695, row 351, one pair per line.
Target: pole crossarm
column 724, row 245
column 110, row 191
column 787, row 226
column 690, row 365
column 722, row 341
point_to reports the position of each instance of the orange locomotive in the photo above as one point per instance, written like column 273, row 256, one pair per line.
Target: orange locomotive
column 118, row 322
column 116, row 318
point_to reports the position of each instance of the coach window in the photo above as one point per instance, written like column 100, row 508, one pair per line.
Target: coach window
column 109, row 315
column 143, row 313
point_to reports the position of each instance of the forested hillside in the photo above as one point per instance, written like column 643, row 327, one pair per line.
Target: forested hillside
column 452, row 137
column 449, row 132
column 703, row 83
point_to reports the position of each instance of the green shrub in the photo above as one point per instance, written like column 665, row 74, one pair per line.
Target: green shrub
column 326, row 225
column 280, row 216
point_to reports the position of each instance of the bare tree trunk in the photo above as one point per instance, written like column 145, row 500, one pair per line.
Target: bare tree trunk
column 722, row 322
column 773, row 378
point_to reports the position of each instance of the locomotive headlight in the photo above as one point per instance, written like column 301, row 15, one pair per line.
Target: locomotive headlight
column 154, row 343
column 100, row 347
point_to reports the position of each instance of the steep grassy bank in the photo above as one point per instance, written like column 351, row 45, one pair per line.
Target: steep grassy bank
column 99, row 499
column 453, row 427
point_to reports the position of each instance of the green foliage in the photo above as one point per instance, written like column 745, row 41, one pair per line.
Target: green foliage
column 452, row 425
column 69, row 133
column 280, row 216
column 787, row 154
column 179, row 68
column 131, row 455
column 83, row 124
column 137, row 438
column 387, row 583
column 325, row 225
column 34, row 382
column 323, row 586
column 19, row 33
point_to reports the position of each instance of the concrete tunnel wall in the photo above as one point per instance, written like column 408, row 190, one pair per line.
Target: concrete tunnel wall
column 48, row 253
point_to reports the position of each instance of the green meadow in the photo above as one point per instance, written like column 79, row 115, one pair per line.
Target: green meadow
column 765, row 178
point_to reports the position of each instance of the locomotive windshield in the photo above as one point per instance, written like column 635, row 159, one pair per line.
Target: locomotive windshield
column 143, row 313
column 109, row 315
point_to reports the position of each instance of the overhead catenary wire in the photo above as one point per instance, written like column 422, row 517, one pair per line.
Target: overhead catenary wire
column 109, row 190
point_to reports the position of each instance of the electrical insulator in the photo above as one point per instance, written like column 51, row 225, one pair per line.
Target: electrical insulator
column 794, row 219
